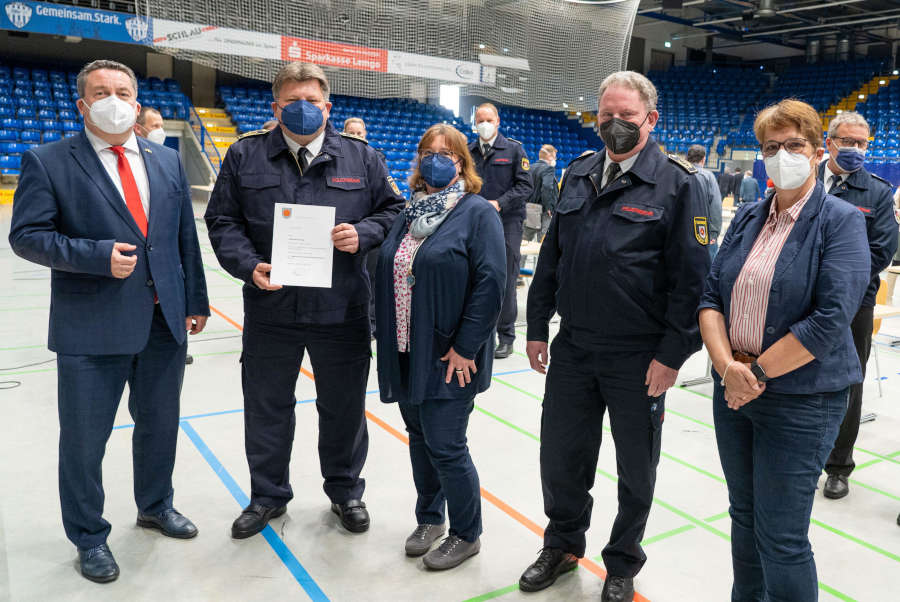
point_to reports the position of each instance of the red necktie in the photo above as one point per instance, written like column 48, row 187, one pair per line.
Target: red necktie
column 129, row 187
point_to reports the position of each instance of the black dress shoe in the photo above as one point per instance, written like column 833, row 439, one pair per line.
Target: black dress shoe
column 836, row 487
column 354, row 515
column 254, row 519
column 98, row 564
column 170, row 522
column 551, row 563
column 188, row 359
column 617, row 589
column 503, row 350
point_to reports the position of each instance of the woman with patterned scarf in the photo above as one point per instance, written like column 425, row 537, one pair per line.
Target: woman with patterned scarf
column 440, row 281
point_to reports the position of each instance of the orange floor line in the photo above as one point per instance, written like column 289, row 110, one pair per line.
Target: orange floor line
column 520, row 518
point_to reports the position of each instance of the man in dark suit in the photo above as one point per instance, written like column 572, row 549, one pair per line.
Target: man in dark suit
column 111, row 215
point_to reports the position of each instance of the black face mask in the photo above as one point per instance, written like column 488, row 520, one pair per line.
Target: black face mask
column 620, row 136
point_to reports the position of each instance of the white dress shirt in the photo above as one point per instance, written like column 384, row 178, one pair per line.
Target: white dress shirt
column 487, row 145
column 830, row 177
column 624, row 166
column 312, row 149
column 110, row 162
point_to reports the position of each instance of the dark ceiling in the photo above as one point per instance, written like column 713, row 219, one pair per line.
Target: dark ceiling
column 786, row 22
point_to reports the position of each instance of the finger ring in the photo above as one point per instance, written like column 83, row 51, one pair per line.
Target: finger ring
column 459, row 370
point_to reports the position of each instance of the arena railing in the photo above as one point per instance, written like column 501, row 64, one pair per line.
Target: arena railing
column 207, row 145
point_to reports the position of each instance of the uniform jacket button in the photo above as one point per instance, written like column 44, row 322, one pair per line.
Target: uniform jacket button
column 150, row 282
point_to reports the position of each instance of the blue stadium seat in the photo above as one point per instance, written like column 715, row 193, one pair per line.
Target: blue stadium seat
column 31, row 136
column 51, row 136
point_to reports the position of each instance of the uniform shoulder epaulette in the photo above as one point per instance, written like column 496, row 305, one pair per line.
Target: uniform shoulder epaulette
column 352, row 137
column 879, row 178
column 514, row 140
column 253, row 133
column 682, row 163
column 584, row 155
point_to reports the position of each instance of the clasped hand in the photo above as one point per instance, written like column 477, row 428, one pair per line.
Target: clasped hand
column 741, row 386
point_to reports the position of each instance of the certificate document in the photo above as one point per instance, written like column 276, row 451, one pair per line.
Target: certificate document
column 302, row 250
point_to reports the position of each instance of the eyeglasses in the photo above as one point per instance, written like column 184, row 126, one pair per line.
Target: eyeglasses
column 792, row 145
column 860, row 143
column 444, row 153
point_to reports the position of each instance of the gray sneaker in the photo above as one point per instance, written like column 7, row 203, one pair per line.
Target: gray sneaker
column 452, row 552
column 421, row 539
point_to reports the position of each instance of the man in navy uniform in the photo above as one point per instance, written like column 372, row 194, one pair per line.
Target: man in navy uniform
column 110, row 214
column 304, row 161
column 845, row 177
column 503, row 166
column 623, row 263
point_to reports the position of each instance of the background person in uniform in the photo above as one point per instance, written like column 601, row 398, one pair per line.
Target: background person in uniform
column 354, row 126
column 749, row 192
column 270, row 125
column 111, row 216
column 696, row 156
column 736, row 180
column 545, row 192
column 775, row 318
column 845, row 177
column 304, row 161
column 726, row 182
column 436, row 350
column 623, row 263
column 149, row 125
column 503, row 167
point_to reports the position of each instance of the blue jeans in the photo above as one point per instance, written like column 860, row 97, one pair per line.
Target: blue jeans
column 772, row 451
column 713, row 249
column 442, row 467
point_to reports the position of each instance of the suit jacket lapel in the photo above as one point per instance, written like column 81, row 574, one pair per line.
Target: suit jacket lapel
column 86, row 157
column 155, row 180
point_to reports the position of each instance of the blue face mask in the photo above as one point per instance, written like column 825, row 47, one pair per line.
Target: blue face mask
column 850, row 158
column 437, row 170
column 302, row 118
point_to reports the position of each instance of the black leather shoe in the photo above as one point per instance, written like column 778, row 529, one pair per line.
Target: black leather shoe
column 170, row 522
column 898, row 519
column 503, row 350
column 98, row 564
column 354, row 515
column 254, row 519
column 188, row 359
column 550, row 564
column 617, row 589
column 836, row 487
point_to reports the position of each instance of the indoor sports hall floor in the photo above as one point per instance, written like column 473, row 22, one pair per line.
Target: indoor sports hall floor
column 306, row 555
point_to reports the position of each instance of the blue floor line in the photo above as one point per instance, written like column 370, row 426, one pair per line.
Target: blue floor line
column 277, row 544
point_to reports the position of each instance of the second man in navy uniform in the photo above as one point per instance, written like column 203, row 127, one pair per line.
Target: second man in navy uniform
column 845, row 177
column 304, row 161
column 503, row 166
column 623, row 263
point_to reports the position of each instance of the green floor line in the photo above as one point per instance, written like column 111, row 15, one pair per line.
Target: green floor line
column 665, row 535
column 697, row 393
column 508, row 423
column 494, row 594
column 716, row 517
column 523, row 391
column 836, row 593
column 215, row 353
column 669, row 410
column 5, row 374
column 877, row 455
column 725, row 536
column 31, row 308
column 875, row 489
column 856, row 540
column 692, row 467
column 23, row 347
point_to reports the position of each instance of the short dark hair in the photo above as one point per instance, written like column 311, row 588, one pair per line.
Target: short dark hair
column 145, row 111
column 696, row 153
column 81, row 81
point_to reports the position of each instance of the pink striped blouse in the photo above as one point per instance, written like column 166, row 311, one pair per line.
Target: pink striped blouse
column 750, row 295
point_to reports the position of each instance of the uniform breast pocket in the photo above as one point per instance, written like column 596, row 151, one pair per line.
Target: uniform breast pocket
column 634, row 226
column 260, row 193
column 348, row 195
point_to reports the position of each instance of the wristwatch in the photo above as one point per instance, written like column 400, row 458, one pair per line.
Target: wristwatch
column 758, row 372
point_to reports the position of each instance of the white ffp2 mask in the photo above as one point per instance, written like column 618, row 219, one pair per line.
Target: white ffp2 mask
column 788, row 170
column 158, row 135
column 112, row 115
column 486, row 130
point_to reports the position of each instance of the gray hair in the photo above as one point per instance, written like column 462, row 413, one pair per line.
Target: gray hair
column 300, row 72
column 633, row 81
column 847, row 118
column 104, row 64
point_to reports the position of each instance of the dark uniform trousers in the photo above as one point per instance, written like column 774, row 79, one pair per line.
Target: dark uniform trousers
column 840, row 461
column 90, row 388
column 506, row 325
column 270, row 365
column 581, row 386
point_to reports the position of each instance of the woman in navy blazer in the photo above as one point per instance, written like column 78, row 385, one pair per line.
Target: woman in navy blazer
column 440, row 280
column 783, row 354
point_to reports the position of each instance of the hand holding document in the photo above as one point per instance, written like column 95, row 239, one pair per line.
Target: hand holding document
column 302, row 250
